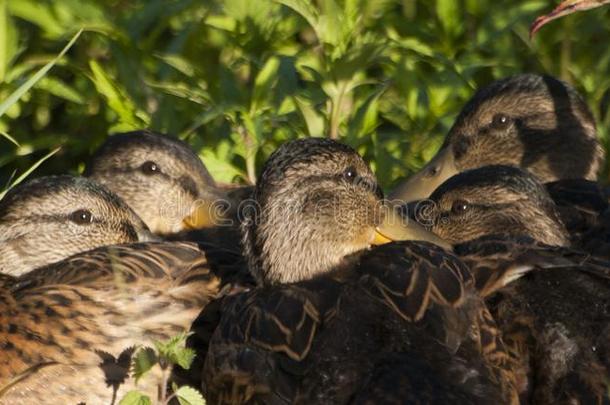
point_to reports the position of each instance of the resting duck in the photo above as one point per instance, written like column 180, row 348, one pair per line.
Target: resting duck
column 68, row 330
column 555, row 322
column 164, row 182
column 532, row 121
column 542, row 125
column 335, row 321
column 50, row 218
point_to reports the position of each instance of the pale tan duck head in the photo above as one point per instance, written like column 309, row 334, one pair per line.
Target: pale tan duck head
column 316, row 203
column 492, row 200
column 535, row 122
column 50, row 218
column 162, row 180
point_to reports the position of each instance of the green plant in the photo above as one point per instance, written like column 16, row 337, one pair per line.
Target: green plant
column 235, row 78
column 165, row 355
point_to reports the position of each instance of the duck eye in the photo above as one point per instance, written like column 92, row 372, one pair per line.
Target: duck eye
column 459, row 207
column 150, row 167
column 81, row 217
column 500, row 121
column 350, row 173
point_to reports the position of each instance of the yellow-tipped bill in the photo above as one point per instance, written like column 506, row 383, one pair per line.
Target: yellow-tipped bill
column 395, row 227
column 205, row 214
column 424, row 182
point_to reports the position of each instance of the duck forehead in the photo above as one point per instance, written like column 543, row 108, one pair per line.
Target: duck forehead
column 329, row 164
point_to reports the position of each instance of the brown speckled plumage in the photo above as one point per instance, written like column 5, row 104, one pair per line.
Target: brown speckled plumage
column 68, row 330
column 322, row 326
column 555, row 321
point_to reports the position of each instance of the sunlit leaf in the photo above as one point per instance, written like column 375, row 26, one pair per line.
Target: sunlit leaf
column 189, row 396
column 118, row 101
column 264, row 82
column 135, row 398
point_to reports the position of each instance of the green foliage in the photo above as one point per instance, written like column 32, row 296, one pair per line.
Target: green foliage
column 165, row 355
column 135, row 398
column 188, row 396
column 235, row 78
column 174, row 352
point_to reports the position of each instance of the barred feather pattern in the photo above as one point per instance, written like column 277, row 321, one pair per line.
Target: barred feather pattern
column 67, row 330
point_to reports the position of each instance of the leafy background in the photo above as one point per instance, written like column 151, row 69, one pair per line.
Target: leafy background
column 235, row 78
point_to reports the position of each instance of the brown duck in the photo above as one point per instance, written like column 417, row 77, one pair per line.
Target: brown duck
column 335, row 321
column 68, row 330
column 535, row 122
column 542, row 125
column 555, row 322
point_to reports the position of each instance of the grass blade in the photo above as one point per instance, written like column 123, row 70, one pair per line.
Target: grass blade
column 16, row 95
column 29, row 171
column 10, row 138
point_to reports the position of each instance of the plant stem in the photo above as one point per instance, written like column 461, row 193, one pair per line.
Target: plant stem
column 163, row 400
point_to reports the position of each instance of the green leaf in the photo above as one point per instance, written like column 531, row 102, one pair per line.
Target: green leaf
column 8, row 40
column 189, row 396
column 174, row 351
column 449, row 14
column 263, row 83
column 16, row 95
column 305, row 9
column 60, row 89
column 313, row 120
column 38, row 13
column 135, row 398
column 10, row 138
column 143, row 361
column 118, row 101
column 365, row 118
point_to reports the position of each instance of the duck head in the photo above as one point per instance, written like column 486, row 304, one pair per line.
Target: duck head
column 535, row 122
column 50, row 218
column 492, row 200
column 162, row 179
column 316, row 202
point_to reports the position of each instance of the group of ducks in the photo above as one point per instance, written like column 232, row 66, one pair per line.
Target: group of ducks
column 483, row 279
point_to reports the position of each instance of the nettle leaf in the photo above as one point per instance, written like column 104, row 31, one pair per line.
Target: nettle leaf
column 174, row 351
column 135, row 398
column 189, row 396
column 143, row 361
column 183, row 357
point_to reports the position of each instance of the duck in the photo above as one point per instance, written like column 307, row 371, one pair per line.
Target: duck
column 69, row 330
column 556, row 322
column 163, row 180
column 342, row 312
column 536, row 122
column 50, row 218
column 542, row 125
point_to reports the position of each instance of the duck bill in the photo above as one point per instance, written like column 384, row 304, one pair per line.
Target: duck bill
column 205, row 214
column 424, row 182
column 396, row 228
